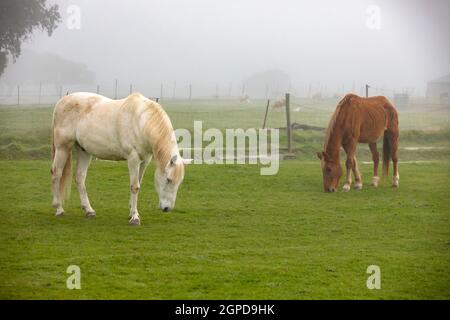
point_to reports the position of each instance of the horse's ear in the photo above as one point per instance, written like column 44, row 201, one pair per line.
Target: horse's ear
column 173, row 160
column 320, row 155
column 187, row 161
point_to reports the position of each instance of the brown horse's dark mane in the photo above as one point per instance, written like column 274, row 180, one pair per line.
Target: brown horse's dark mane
column 332, row 124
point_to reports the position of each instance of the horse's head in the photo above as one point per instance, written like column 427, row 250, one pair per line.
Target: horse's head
column 331, row 171
column 167, row 181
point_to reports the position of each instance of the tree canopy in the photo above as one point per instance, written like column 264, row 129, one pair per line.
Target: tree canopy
column 18, row 19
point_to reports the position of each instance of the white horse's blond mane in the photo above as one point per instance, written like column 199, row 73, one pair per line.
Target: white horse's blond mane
column 158, row 128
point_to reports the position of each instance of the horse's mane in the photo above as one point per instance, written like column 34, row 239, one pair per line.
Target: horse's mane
column 158, row 128
column 332, row 124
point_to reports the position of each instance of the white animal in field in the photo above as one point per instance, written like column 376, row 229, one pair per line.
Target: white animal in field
column 245, row 98
column 280, row 103
column 134, row 129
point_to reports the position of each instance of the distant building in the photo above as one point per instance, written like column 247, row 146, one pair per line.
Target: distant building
column 267, row 84
column 439, row 88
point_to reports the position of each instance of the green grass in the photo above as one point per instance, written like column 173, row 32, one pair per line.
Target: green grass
column 234, row 234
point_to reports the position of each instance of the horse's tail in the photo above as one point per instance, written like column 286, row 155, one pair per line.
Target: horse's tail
column 66, row 177
column 386, row 153
column 390, row 138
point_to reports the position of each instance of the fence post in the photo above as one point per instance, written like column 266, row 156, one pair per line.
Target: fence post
column 115, row 90
column 98, row 89
column 265, row 116
column 190, row 91
column 131, row 88
column 18, row 95
column 367, row 90
column 288, row 122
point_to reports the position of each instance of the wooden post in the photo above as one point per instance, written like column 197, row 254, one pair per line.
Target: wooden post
column 40, row 92
column 115, row 90
column 98, row 89
column 131, row 88
column 190, row 91
column 288, row 122
column 265, row 116
column 367, row 90
column 18, row 95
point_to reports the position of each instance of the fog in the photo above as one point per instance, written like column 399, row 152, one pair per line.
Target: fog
column 222, row 43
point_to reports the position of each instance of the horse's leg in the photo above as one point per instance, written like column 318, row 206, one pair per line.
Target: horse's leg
column 84, row 160
column 357, row 174
column 350, row 150
column 133, row 167
column 142, row 168
column 376, row 161
column 394, row 155
column 59, row 161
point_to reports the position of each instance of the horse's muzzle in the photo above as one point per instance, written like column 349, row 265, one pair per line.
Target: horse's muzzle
column 165, row 209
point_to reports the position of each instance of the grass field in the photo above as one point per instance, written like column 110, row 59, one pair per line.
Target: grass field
column 233, row 234
column 227, row 238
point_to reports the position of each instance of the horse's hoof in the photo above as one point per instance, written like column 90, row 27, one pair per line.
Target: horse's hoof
column 59, row 214
column 358, row 186
column 346, row 188
column 135, row 222
column 90, row 214
column 375, row 181
column 395, row 182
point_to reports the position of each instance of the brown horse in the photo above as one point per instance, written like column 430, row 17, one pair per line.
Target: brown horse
column 363, row 120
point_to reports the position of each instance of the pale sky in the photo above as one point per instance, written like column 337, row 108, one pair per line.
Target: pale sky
column 224, row 41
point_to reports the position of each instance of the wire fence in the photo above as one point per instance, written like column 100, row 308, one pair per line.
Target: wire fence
column 44, row 93
column 234, row 110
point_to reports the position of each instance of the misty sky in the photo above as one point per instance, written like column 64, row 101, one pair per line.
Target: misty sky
column 223, row 41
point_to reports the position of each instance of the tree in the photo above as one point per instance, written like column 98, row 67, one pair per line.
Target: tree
column 18, row 20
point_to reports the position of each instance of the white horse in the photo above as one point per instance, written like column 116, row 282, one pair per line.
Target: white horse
column 280, row 103
column 244, row 98
column 132, row 129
